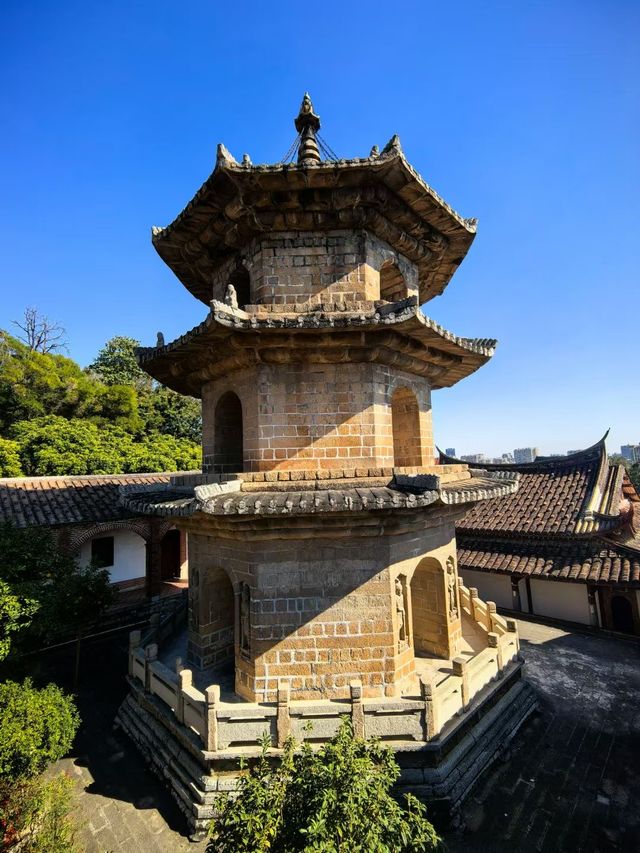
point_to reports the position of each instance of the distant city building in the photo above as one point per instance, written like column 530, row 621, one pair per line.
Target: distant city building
column 522, row 455
column 506, row 458
column 450, row 451
column 630, row 452
column 474, row 457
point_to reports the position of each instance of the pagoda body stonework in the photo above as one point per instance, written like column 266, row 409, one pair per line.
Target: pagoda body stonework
column 322, row 554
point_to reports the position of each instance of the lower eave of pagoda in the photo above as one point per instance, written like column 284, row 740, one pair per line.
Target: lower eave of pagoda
column 394, row 334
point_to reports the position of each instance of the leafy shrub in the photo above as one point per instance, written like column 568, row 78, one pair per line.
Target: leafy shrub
column 34, row 815
column 37, row 727
column 335, row 800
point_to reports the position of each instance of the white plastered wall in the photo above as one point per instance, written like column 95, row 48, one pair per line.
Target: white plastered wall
column 561, row 600
column 129, row 555
column 496, row 588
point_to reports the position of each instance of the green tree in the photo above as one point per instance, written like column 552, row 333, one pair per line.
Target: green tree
column 9, row 458
column 174, row 414
column 617, row 459
column 335, row 800
column 16, row 613
column 61, row 597
column 634, row 475
column 35, row 385
column 55, row 445
column 164, row 453
column 116, row 364
column 37, row 727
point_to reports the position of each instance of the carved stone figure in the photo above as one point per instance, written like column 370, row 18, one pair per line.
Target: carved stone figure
column 402, row 616
column 160, row 340
column 231, row 297
column 452, row 584
column 245, row 604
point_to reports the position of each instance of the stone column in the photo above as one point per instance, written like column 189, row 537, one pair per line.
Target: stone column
column 153, row 559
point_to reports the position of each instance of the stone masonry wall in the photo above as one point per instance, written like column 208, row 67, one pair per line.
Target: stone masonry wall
column 323, row 609
column 311, row 268
column 318, row 416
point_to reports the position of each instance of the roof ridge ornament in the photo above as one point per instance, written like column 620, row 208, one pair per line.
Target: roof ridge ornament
column 393, row 146
column 307, row 124
column 224, row 157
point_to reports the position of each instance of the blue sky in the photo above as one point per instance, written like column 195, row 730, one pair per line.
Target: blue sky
column 525, row 115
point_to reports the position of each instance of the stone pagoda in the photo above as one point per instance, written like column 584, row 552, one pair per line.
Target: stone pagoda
column 321, row 533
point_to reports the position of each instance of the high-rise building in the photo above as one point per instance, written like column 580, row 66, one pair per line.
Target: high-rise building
column 450, row 451
column 522, row 455
column 630, row 452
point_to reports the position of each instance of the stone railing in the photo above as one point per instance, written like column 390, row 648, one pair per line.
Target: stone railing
column 224, row 727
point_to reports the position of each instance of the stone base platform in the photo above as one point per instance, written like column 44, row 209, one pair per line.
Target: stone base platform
column 440, row 772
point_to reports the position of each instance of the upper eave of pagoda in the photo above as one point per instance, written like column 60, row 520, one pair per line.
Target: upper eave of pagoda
column 381, row 193
column 390, row 333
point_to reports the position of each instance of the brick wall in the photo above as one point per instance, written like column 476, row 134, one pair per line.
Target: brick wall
column 323, row 611
column 318, row 267
column 323, row 416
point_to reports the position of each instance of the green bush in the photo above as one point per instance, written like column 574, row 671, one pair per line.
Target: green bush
column 335, row 800
column 37, row 727
column 34, row 815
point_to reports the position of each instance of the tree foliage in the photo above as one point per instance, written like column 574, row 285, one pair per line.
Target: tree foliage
column 45, row 591
column 16, row 613
column 56, row 418
column 116, row 364
column 9, row 458
column 37, row 727
column 35, row 815
column 335, row 800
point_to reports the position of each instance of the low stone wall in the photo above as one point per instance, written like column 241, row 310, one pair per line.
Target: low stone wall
column 224, row 727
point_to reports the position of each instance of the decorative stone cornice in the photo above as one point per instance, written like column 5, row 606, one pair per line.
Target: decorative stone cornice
column 397, row 334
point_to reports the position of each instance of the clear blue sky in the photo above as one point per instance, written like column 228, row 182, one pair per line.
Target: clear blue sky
column 525, row 115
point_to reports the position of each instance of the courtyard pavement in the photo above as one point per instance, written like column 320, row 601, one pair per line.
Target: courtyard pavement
column 569, row 784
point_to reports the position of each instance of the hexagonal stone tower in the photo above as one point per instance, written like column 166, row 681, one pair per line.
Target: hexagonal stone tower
column 321, row 533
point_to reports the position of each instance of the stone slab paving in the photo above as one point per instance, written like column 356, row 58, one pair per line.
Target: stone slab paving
column 569, row 785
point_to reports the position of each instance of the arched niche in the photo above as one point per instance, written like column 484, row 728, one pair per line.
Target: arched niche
column 241, row 280
column 393, row 286
column 429, row 610
column 220, row 629
column 405, row 422
column 228, row 445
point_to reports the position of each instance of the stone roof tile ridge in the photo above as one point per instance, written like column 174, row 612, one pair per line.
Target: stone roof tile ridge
column 407, row 309
column 48, row 481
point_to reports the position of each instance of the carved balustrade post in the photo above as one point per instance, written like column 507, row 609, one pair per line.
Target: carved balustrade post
column 430, row 725
column 283, row 720
column 461, row 669
column 185, row 679
column 211, row 703
column 134, row 642
column 357, row 708
column 150, row 655
column 494, row 643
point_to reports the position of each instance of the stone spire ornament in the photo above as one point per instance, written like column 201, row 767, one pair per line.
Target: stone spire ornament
column 307, row 124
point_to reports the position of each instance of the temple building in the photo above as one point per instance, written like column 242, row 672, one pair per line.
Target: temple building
column 565, row 545
column 323, row 576
column 145, row 556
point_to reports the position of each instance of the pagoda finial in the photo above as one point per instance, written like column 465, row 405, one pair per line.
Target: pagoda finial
column 307, row 124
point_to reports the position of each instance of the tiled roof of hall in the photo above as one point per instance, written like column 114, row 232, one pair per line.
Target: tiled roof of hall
column 61, row 500
column 577, row 495
column 594, row 560
column 381, row 193
column 444, row 358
